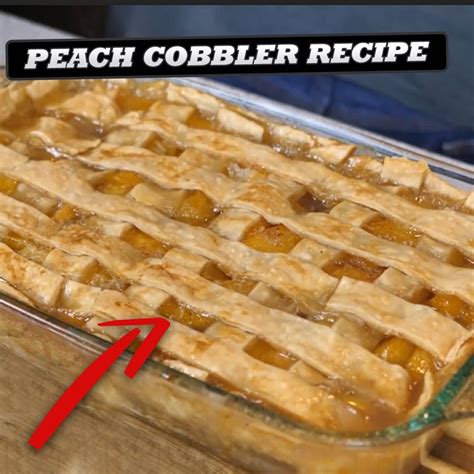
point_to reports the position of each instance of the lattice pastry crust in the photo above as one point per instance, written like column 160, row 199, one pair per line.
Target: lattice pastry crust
column 334, row 287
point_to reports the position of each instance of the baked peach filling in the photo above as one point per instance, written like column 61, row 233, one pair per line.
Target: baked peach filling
column 357, row 402
column 185, row 315
column 162, row 147
column 196, row 120
column 212, row 272
column 271, row 238
column 395, row 350
column 128, row 102
column 311, row 203
column 352, row 168
column 265, row 352
column 7, row 185
column 196, row 209
column 119, row 182
column 391, row 230
column 353, row 267
column 15, row 241
column 146, row 244
column 455, row 308
column 414, row 359
column 36, row 150
column 419, row 363
column 242, row 286
column 101, row 277
column 428, row 200
column 463, row 260
column 26, row 247
column 321, row 317
column 83, row 126
column 67, row 316
column 65, row 213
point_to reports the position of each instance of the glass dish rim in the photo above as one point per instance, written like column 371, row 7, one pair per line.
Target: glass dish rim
column 430, row 416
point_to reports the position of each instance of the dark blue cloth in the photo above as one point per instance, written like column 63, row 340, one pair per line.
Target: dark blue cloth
column 445, row 95
column 356, row 105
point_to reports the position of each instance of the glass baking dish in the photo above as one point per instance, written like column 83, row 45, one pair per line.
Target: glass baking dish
column 241, row 432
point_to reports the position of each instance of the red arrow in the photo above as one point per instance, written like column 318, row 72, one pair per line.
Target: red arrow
column 91, row 375
column 160, row 326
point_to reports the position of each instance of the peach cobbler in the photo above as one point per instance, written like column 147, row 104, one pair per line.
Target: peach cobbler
column 334, row 287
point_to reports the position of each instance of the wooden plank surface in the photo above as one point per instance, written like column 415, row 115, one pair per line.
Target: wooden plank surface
column 89, row 441
column 454, row 453
column 113, row 442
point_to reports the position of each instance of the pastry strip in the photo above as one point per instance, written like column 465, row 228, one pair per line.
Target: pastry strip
column 97, row 108
column 58, row 135
column 6, row 289
column 35, row 281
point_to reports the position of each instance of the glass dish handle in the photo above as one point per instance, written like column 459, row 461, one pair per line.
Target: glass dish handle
column 463, row 405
